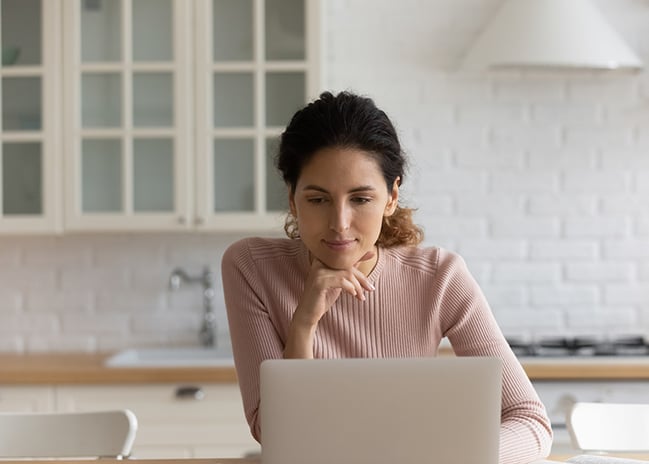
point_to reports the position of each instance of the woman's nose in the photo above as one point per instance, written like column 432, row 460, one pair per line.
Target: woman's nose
column 340, row 218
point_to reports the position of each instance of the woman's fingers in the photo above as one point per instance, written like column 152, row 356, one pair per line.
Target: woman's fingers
column 362, row 280
column 347, row 281
column 352, row 281
column 353, row 288
column 362, row 277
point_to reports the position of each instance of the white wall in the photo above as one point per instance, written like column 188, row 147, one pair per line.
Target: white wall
column 541, row 181
column 102, row 292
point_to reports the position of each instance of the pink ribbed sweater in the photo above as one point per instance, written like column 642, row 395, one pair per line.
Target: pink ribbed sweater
column 421, row 296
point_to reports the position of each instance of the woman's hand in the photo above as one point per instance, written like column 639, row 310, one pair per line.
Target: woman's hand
column 322, row 289
column 324, row 285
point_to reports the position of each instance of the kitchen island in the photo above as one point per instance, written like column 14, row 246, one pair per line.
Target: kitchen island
column 76, row 381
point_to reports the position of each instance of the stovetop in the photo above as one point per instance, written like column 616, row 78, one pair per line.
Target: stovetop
column 581, row 346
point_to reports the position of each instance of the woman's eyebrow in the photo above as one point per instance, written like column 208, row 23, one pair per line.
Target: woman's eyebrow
column 315, row 187
column 362, row 188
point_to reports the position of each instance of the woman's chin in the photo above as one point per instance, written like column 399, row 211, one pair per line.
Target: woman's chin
column 338, row 262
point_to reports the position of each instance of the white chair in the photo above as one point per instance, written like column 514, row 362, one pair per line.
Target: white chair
column 609, row 427
column 67, row 435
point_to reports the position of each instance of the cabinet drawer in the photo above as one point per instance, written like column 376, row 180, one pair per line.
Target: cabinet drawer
column 558, row 397
column 26, row 398
column 168, row 425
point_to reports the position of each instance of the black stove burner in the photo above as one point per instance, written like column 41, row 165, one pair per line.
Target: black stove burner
column 633, row 345
column 520, row 347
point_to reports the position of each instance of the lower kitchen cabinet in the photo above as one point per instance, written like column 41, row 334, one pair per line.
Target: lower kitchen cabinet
column 174, row 420
column 27, row 398
column 559, row 395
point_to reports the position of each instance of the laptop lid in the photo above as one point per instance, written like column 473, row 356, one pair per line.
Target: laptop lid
column 381, row 411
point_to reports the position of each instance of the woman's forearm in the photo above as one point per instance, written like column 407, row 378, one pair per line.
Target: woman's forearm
column 300, row 340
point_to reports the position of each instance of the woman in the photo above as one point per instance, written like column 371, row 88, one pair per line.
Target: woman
column 350, row 281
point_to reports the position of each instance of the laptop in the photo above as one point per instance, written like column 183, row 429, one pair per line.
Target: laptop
column 381, row 411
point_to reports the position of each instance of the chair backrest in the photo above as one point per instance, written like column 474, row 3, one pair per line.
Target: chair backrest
column 609, row 427
column 67, row 435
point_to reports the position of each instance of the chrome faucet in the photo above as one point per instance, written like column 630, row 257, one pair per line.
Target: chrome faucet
column 207, row 334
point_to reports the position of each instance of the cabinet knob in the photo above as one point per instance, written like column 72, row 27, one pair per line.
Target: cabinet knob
column 199, row 221
column 190, row 393
column 182, row 220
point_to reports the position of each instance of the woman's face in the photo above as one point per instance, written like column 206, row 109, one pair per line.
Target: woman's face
column 339, row 201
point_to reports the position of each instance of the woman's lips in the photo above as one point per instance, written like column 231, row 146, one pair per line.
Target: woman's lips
column 339, row 245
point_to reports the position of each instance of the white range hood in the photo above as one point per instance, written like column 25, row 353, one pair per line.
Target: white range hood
column 550, row 34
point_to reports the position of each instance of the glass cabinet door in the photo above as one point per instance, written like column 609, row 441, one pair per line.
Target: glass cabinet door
column 129, row 143
column 29, row 36
column 255, row 66
column 149, row 114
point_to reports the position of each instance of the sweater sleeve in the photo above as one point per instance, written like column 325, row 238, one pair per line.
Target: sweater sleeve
column 468, row 323
column 253, row 335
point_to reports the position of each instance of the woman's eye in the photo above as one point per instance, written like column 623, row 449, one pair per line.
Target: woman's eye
column 361, row 200
column 316, row 200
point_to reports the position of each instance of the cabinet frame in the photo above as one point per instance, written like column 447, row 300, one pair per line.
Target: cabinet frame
column 126, row 220
column 260, row 218
column 50, row 134
column 193, row 131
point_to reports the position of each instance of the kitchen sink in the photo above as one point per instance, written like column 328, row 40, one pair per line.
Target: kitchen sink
column 172, row 357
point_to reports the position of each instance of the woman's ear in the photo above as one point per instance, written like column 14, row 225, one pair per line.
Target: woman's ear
column 291, row 202
column 393, row 200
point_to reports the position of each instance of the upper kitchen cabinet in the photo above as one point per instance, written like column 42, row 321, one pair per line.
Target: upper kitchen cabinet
column 174, row 109
column 256, row 64
column 30, row 147
column 128, row 130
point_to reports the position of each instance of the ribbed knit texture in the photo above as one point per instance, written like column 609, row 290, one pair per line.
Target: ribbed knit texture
column 421, row 296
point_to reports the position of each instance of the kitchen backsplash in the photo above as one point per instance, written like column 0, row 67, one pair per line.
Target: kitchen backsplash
column 539, row 179
column 106, row 291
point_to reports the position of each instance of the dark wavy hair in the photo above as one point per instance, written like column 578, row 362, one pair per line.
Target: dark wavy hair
column 347, row 120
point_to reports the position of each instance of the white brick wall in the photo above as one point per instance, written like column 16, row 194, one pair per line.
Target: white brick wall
column 103, row 292
column 546, row 174
column 540, row 180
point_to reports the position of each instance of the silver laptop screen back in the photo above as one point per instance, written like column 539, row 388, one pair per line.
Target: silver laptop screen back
column 381, row 411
